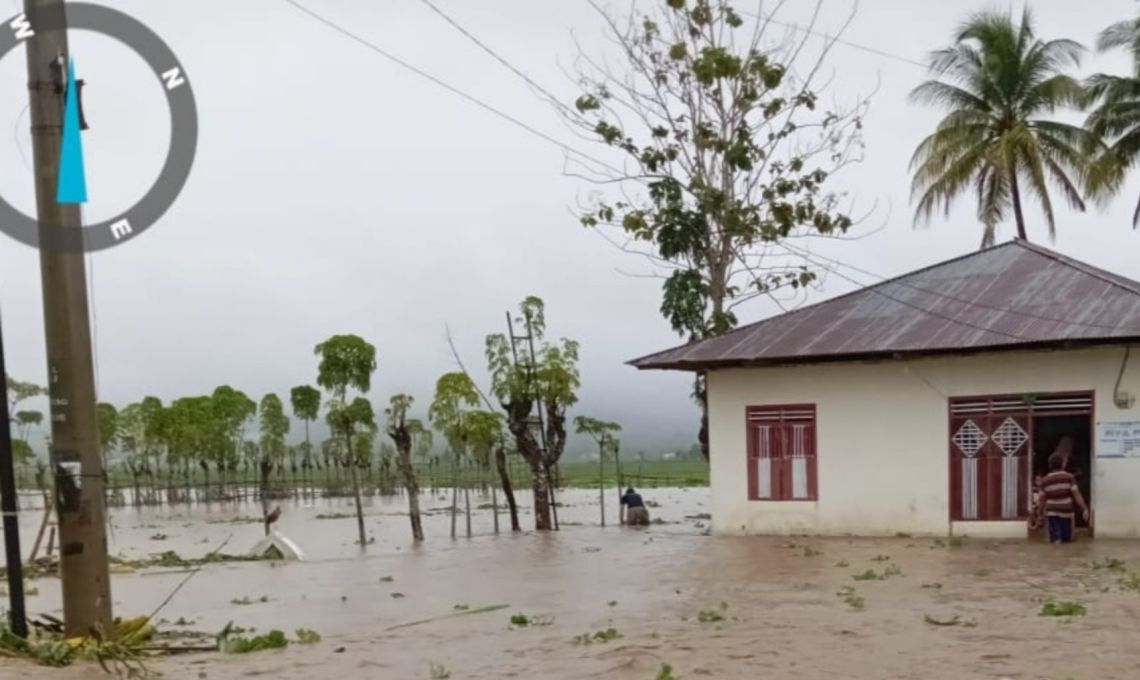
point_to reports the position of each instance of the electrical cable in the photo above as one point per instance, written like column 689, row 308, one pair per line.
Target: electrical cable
column 836, row 39
column 447, row 86
column 529, row 81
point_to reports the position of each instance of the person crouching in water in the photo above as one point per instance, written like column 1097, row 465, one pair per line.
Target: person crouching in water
column 638, row 514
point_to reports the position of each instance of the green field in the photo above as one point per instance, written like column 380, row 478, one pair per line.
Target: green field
column 571, row 474
column 650, row 473
column 164, row 488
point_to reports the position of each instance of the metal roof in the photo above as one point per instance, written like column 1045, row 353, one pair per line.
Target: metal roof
column 1016, row 295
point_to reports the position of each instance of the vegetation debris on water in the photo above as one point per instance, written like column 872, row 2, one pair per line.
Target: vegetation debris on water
column 1062, row 608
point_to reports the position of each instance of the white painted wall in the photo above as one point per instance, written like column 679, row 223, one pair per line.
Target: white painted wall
column 883, row 440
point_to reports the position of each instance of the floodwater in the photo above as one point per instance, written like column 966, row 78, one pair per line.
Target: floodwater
column 782, row 617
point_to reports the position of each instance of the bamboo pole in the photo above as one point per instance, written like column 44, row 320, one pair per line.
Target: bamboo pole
column 602, row 478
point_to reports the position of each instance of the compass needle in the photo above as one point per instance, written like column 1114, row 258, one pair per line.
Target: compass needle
column 72, row 188
column 63, row 123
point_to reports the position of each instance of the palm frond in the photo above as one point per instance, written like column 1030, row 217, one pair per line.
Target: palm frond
column 1110, row 88
column 1068, row 189
column 1031, row 164
column 993, row 200
column 1124, row 34
column 936, row 92
column 1053, row 92
column 939, row 188
column 989, row 236
column 1060, row 53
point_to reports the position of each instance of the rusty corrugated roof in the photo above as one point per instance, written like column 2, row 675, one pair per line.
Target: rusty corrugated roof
column 1009, row 296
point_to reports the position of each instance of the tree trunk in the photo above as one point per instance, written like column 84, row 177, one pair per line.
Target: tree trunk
column 495, row 507
column 602, row 480
column 266, row 466
column 1015, row 194
column 505, row 481
column 550, row 486
column 467, row 508
column 404, row 461
column 454, row 497
column 702, row 396
column 540, row 485
column 356, row 493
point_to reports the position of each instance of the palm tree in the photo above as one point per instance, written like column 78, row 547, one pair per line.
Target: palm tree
column 996, row 80
column 1116, row 115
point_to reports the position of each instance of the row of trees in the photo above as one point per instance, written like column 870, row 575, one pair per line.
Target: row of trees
column 225, row 433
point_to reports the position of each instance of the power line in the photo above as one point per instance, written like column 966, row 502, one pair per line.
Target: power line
column 836, row 39
column 447, row 86
column 871, row 50
column 554, row 100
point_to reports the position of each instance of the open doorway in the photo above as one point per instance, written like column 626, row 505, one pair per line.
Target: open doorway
column 1048, row 431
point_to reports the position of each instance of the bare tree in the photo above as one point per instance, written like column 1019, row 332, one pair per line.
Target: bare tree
column 724, row 148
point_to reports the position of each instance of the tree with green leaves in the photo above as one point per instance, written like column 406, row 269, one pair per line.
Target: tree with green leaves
column 1115, row 115
column 331, row 451
column 153, row 421
column 232, row 410
column 348, row 362
column 194, row 437
column 455, row 398
column 604, row 433
column 107, row 421
column 306, row 401
column 1001, row 86
column 22, row 453
column 18, row 392
column 131, row 436
column 549, row 385
column 26, row 420
column 725, row 150
column 364, row 446
column 484, row 439
column 406, row 433
column 274, row 426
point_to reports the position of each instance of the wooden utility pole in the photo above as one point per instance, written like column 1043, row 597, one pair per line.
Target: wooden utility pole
column 17, row 618
column 75, row 459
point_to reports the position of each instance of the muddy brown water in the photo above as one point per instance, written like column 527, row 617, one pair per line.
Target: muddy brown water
column 782, row 615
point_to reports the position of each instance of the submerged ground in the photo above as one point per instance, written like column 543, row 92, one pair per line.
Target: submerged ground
column 706, row 606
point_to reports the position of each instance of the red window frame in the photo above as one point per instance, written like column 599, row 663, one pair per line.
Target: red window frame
column 784, row 433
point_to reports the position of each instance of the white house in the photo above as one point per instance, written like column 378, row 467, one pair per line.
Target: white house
column 925, row 404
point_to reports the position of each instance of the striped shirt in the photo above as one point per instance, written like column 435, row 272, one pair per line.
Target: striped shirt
column 1060, row 489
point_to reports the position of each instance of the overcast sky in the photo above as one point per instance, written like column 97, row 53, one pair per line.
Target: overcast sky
column 335, row 192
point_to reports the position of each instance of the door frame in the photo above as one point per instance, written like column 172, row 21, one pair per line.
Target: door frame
column 1008, row 405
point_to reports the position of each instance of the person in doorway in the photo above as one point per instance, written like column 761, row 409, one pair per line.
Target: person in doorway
column 637, row 514
column 1037, row 505
column 1065, row 451
column 1062, row 497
